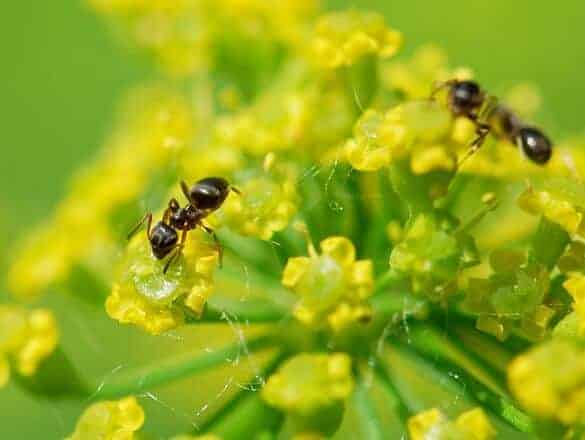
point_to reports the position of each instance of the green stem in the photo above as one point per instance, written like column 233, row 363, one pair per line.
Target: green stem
column 369, row 419
column 485, row 347
column 384, row 377
column 362, row 81
column 255, row 252
column 246, row 414
column 145, row 378
column 252, row 285
column 389, row 303
column 481, row 385
column 387, row 279
column 410, row 189
column 254, row 311
column 428, row 341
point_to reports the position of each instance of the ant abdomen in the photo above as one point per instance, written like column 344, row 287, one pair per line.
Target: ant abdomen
column 534, row 144
column 208, row 194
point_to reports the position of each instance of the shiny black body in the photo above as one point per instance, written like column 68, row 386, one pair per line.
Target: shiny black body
column 535, row 145
column 204, row 197
column 466, row 98
column 163, row 239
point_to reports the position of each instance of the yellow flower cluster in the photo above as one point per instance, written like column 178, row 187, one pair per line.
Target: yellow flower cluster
column 561, row 200
column 156, row 124
column 512, row 298
column 416, row 77
column 26, row 339
column 343, row 38
column 333, row 286
column 309, row 383
column 145, row 296
column 433, row 424
column 432, row 256
column 187, row 36
column 295, row 115
column 267, row 203
column 110, row 420
column 549, row 381
column 575, row 285
column 419, row 129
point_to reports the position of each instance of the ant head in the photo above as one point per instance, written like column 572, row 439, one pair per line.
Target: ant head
column 163, row 239
column 208, row 193
column 466, row 96
column 534, row 145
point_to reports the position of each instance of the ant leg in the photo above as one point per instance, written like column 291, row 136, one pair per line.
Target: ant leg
column 147, row 218
column 482, row 131
column 236, row 190
column 218, row 245
column 176, row 252
column 438, row 86
column 487, row 110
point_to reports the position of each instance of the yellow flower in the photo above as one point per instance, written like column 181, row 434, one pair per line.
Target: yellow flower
column 295, row 115
column 267, row 203
column 575, row 285
column 561, row 200
column 549, row 380
column 417, row 76
column 184, row 35
column 343, row 38
column 26, row 339
column 333, row 286
column 432, row 255
column 309, row 383
column 110, row 420
column 422, row 126
column 146, row 297
column 470, row 425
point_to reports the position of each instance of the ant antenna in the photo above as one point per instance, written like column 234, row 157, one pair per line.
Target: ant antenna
column 147, row 218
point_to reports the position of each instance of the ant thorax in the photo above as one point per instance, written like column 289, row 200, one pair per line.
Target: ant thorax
column 504, row 123
column 187, row 218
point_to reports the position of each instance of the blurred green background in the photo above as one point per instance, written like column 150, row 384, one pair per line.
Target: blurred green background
column 62, row 73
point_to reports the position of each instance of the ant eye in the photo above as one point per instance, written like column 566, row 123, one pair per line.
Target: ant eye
column 209, row 193
column 466, row 95
column 535, row 145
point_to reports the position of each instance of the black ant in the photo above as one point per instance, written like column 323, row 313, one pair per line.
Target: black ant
column 204, row 197
column 466, row 98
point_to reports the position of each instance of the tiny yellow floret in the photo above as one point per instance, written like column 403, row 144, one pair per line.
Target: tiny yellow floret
column 26, row 339
column 433, row 424
column 333, row 286
column 110, row 420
